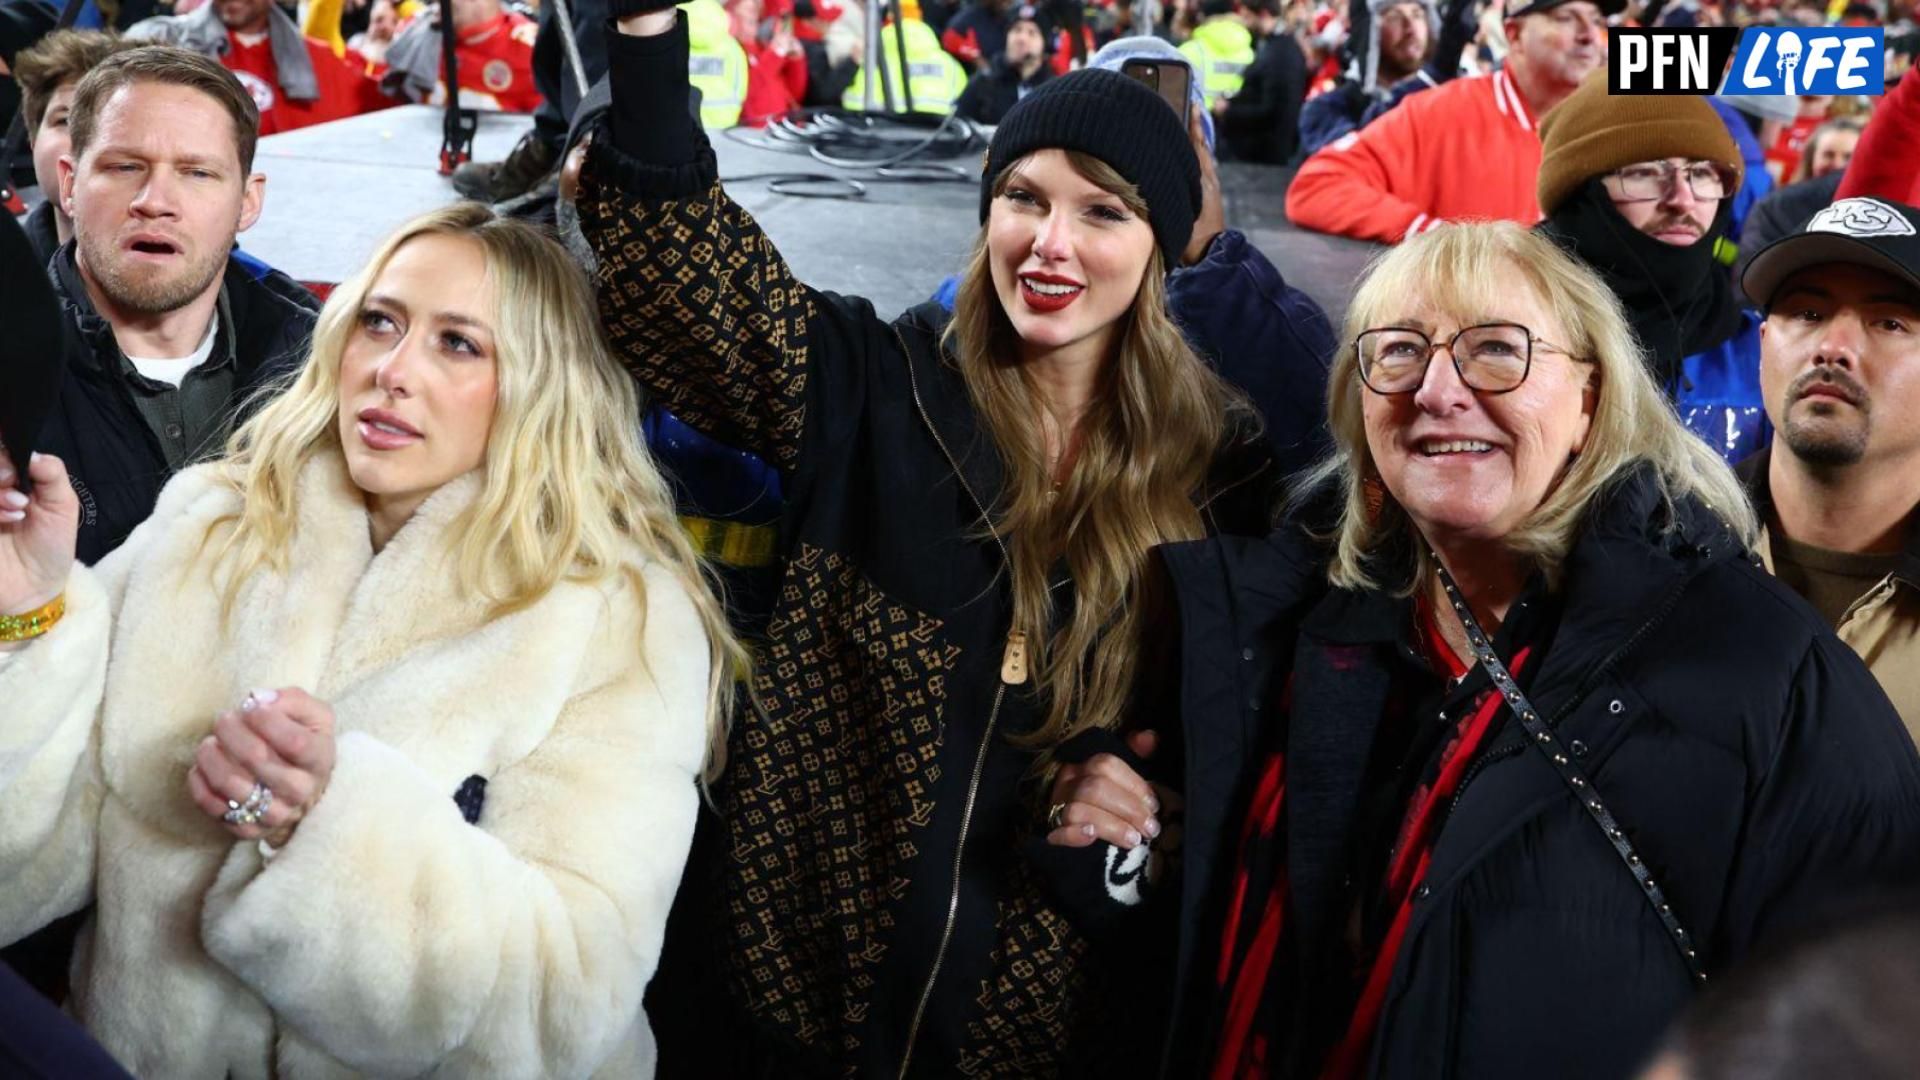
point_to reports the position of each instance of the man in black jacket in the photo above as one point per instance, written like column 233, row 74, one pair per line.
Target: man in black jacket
column 1015, row 72
column 170, row 335
column 1262, row 122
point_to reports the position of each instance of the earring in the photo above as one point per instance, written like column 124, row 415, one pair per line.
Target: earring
column 1374, row 494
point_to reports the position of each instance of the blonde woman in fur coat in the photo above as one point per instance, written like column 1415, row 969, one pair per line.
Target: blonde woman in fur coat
column 377, row 748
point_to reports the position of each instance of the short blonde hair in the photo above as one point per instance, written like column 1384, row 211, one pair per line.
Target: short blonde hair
column 1461, row 268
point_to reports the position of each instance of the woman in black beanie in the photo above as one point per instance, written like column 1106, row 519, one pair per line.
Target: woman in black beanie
column 971, row 504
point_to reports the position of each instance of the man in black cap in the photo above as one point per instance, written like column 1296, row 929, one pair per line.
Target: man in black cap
column 1840, row 370
column 1020, row 69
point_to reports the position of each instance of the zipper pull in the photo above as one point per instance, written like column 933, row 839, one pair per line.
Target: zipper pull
column 1013, row 662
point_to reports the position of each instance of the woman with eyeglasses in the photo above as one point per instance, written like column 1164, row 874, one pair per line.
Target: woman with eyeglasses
column 1647, row 192
column 1503, row 743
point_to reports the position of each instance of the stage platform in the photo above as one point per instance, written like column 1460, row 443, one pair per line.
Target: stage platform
column 335, row 190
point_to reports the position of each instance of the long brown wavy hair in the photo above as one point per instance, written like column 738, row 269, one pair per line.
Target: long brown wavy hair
column 1156, row 420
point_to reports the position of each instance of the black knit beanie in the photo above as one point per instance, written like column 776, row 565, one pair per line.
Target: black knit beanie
column 1123, row 123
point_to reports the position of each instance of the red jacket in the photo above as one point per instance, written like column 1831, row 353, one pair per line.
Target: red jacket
column 1466, row 149
column 1886, row 162
column 775, row 84
column 495, row 61
column 344, row 88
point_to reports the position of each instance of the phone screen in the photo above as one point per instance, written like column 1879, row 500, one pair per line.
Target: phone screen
column 1166, row 78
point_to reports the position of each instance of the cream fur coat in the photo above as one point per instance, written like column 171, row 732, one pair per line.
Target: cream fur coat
column 389, row 937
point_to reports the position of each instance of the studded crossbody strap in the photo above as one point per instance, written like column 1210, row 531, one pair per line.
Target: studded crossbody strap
column 1543, row 739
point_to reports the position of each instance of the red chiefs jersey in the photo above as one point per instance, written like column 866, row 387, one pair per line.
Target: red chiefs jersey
column 496, row 66
column 344, row 89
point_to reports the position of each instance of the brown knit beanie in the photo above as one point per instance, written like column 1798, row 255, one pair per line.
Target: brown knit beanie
column 1592, row 133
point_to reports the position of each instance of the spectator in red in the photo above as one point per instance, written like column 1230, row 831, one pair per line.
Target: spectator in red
column 1468, row 149
column 294, row 80
column 383, row 23
column 776, row 64
column 493, row 57
column 977, row 34
column 1065, row 57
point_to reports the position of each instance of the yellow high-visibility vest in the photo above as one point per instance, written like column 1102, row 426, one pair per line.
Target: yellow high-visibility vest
column 1220, row 52
column 935, row 78
column 715, row 63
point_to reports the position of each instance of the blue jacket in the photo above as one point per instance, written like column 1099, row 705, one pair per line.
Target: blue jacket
column 1719, row 393
column 1266, row 337
column 1756, row 183
column 730, row 503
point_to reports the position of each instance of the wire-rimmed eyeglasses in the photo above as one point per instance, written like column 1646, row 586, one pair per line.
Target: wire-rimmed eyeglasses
column 1649, row 180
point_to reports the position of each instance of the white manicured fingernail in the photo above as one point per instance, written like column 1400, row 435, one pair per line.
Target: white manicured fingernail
column 256, row 698
column 13, row 515
column 1133, row 839
column 1153, row 827
column 1087, row 831
column 13, row 500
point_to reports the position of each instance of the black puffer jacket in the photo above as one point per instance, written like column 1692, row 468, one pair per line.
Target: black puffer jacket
column 1754, row 761
column 116, row 463
column 878, row 912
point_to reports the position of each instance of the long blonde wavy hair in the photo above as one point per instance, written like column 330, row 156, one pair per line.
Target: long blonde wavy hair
column 1461, row 269
column 569, row 492
column 1157, row 419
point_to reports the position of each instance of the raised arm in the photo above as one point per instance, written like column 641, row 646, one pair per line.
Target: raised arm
column 50, row 692
column 694, row 297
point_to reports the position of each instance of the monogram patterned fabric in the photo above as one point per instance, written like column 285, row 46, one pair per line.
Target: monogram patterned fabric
column 1024, row 1007
column 693, row 290
column 828, row 792
column 829, row 795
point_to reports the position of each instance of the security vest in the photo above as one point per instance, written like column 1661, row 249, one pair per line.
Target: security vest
column 715, row 63
column 1220, row 52
column 935, row 78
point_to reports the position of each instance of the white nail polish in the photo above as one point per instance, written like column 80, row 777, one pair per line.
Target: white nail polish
column 265, row 697
column 1133, row 839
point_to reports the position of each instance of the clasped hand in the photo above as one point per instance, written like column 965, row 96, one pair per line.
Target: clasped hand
column 280, row 739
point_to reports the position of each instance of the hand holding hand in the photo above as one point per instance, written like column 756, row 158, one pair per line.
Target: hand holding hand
column 1104, row 799
column 280, row 741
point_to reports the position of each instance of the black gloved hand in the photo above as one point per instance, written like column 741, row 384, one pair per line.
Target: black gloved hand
column 623, row 9
column 1459, row 22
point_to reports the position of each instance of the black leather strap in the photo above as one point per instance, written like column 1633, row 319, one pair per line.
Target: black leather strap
column 1543, row 739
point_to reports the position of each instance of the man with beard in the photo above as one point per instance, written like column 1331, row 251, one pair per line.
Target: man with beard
column 1401, row 35
column 1840, row 368
column 1467, row 149
column 1015, row 73
column 294, row 80
column 170, row 335
column 1641, row 189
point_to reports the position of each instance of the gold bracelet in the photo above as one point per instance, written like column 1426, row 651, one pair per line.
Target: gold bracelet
column 33, row 623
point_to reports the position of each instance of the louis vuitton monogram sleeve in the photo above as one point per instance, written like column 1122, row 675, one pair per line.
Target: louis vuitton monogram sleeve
column 697, row 302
